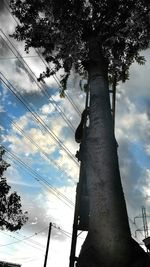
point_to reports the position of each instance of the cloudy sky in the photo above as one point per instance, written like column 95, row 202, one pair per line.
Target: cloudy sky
column 37, row 130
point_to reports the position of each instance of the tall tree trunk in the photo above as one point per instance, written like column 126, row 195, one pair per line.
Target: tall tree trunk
column 109, row 242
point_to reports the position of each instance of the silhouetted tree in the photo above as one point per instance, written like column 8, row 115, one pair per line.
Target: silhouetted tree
column 101, row 38
column 11, row 216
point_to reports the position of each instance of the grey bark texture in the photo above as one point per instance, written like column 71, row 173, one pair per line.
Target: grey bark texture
column 109, row 242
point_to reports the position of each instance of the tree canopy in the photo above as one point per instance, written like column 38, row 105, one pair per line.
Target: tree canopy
column 62, row 30
column 12, row 217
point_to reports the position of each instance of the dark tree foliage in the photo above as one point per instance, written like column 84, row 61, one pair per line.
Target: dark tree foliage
column 62, row 29
column 11, row 216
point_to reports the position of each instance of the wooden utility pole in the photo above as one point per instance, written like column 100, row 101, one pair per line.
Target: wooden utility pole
column 47, row 246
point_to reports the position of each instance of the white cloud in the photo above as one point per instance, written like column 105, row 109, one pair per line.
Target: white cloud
column 23, row 121
column 43, row 139
column 6, row 20
column 14, row 178
column 147, row 148
column 146, row 187
column 47, row 109
column 25, row 80
column 134, row 125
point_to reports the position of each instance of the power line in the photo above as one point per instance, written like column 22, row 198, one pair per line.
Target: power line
column 24, row 238
column 42, row 181
column 29, row 71
column 41, row 87
column 27, row 238
column 60, row 110
column 31, row 236
column 38, row 178
column 72, row 102
column 46, row 64
column 62, row 114
column 58, row 83
column 19, row 240
column 8, row 58
column 36, row 233
column 6, row 4
column 55, row 164
column 48, row 186
column 66, row 233
column 38, row 118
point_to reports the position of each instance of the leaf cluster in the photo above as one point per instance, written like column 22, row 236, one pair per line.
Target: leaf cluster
column 12, row 217
column 62, row 29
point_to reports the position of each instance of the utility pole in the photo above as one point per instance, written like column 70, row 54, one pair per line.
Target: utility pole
column 144, row 219
column 145, row 226
column 47, row 246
